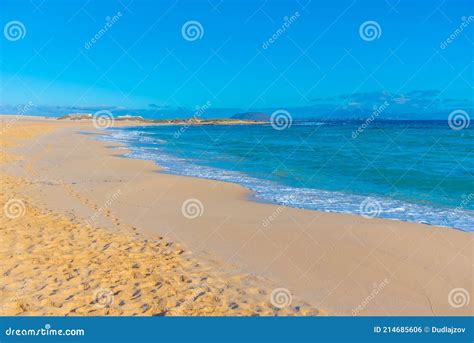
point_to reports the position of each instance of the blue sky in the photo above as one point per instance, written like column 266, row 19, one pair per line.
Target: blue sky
column 319, row 62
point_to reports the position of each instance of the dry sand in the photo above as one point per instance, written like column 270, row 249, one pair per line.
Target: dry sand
column 51, row 264
column 340, row 264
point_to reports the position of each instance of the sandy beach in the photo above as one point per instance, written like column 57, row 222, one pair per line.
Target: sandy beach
column 86, row 231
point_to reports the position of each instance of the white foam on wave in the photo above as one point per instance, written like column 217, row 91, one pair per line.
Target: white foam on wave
column 309, row 123
column 130, row 137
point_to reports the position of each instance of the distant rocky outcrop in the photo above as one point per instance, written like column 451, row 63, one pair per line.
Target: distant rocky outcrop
column 129, row 117
column 76, row 116
column 176, row 121
column 255, row 116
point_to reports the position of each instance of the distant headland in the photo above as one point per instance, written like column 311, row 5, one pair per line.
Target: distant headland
column 236, row 119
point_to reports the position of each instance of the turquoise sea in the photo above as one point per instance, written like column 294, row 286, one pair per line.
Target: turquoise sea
column 420, row 171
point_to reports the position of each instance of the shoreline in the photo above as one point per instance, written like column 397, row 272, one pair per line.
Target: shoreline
column 342, row 255
column 432, row 215
column 252, row 196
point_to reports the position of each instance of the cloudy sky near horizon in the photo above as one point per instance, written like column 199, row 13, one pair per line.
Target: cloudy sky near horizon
column 326, row 56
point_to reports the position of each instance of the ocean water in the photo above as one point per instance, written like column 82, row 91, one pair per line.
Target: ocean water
column 420, row 171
